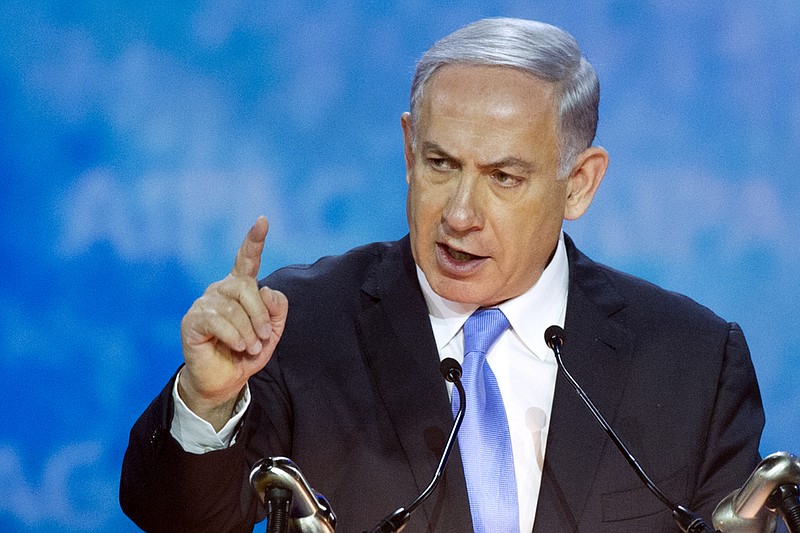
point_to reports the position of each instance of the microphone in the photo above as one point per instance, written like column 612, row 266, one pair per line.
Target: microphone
column 772, row 487
column 289, row 498
column 396, row 522
column 688, row 521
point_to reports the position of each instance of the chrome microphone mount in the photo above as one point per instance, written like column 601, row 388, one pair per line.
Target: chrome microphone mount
column 769, row 492
column 292, row 505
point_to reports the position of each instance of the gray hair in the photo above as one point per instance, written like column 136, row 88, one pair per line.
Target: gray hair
column 540, row 49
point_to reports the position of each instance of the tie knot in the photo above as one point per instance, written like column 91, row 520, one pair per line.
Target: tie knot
column 483, row 328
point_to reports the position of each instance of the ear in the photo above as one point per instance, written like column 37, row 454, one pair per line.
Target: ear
column 408, row 143
column 583, row 181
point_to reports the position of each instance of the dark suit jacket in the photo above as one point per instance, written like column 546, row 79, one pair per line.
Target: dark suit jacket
column 354, row 396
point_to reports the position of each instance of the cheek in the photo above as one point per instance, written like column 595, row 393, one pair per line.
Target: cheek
column 423, row 203
column 412, row 203
column 528, row 234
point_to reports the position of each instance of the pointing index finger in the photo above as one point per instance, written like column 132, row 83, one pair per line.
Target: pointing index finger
column 248, row 258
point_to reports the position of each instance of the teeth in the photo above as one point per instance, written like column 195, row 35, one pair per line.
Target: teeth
column 461, row 256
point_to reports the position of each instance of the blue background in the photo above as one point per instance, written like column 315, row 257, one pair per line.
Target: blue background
column 139, row 141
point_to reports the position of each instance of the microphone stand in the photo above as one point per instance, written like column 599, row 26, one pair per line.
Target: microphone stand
column 688, row 521
column 397, row 521
column 292, row 505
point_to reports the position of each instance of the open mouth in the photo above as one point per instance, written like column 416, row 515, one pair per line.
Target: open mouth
column 458, row 255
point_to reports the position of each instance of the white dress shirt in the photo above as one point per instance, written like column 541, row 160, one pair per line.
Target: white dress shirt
column 524, row 366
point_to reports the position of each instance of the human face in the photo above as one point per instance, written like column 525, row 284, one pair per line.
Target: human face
column 485, row 205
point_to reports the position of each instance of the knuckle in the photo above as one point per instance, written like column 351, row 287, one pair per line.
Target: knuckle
column 230, row 309
column 193, row 314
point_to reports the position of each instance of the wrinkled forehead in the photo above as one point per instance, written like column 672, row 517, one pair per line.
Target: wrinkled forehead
column 502, row 94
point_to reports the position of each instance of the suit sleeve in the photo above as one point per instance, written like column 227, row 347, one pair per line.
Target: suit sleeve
column 731, row 448
column 165, row 489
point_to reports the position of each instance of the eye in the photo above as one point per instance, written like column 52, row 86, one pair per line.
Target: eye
column 504, row 179
column 440, row 163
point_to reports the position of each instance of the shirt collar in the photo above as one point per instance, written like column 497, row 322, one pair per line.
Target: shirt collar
column 530, row 313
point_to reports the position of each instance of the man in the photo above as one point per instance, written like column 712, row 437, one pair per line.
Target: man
column 335, row 365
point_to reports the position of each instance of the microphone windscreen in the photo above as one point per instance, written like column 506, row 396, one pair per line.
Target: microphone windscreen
column 450, row 369
column 555, row 337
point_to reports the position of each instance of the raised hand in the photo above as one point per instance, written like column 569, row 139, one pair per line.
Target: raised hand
column 230, row 333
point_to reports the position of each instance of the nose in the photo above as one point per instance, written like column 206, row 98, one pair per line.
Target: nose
column 464, row 211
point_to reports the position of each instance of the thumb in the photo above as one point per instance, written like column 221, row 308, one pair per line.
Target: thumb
column 277, row 306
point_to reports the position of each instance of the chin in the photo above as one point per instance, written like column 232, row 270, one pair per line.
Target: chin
column 462, row 292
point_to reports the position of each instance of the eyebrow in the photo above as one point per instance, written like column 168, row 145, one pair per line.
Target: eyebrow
column 506, row 162
column 525, row 166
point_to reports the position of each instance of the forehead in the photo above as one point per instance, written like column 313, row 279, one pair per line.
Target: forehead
column 489, row 113
column 497, row 93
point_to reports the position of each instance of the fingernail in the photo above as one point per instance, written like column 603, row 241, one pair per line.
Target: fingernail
column 255, row 348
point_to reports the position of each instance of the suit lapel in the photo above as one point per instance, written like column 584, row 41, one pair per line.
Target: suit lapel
column 596, row 353
column 399, row 347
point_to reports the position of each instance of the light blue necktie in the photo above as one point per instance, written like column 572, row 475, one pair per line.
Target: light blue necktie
column 484, row 439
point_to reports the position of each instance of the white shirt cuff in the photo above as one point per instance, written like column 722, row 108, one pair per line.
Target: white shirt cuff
column 196, row 435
